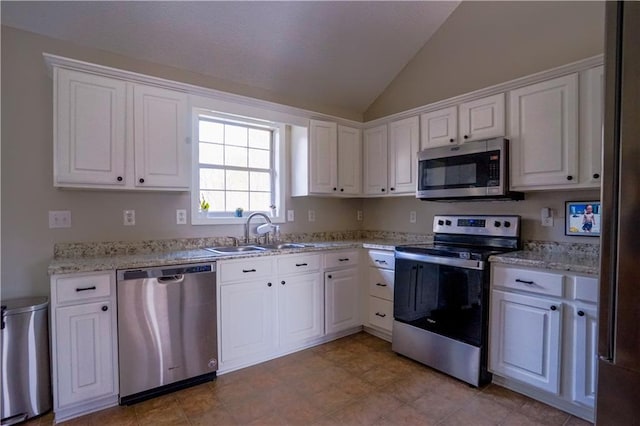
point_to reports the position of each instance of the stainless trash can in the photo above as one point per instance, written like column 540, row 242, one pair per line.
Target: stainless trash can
column 24, row 349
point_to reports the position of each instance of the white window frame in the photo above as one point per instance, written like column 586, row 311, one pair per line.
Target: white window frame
column 279, row 173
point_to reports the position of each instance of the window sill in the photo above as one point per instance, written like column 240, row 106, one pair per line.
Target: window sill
column 198, row 218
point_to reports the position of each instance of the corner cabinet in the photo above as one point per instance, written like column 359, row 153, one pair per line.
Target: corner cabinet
column 84, row 343
column 542, row 336
column 114, row 134
column 390, row 158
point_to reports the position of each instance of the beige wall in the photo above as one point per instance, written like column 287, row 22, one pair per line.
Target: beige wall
column 392, row 214
column 27, row 170
column 486, row 43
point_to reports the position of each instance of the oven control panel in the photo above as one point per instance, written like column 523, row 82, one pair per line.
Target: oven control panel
column 503, row 226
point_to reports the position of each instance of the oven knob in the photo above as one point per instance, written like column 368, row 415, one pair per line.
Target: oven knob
column 448, row 222
column 496, row 224
column 507, row 224
column 441, row 222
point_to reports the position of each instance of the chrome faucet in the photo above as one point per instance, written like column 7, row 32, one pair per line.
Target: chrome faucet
column 246, row 224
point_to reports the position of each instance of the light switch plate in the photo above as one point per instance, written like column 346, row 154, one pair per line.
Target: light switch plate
column 181, row 216
column 59, row 219
column 312, row 215
column 129, row 217
column 412, row 217
column 291, row 216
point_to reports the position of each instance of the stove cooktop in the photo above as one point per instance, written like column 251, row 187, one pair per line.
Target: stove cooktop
column 448, row 250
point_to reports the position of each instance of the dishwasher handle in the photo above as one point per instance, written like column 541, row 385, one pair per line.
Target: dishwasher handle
column 171, row 279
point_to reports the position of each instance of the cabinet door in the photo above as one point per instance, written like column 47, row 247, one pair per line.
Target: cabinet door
column 482, row 118
column 525, row 339
column 439, row 128
column 248, row 312
column 349, row 160
column 161, row 146
column 89, row 129
column 342, row 297
column 375, row 160
column 84, row 338
column 323, row 157
column 300, row 305
column 592, row 118
column 404, row 143
column 544, row 133
column 585, row 355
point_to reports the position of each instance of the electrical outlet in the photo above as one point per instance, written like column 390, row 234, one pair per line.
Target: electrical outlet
column 291, row 216
column 548, row 221
column 59, row 219
column 181, row 216
column 412, row 217
column 546, row 216
column 312, row 215
column 359, row 215
column 129, row 217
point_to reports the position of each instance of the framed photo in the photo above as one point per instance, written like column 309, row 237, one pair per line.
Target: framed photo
column 582, row 218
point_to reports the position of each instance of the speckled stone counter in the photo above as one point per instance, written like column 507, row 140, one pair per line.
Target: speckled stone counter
column 579, row 258
column 91, row 257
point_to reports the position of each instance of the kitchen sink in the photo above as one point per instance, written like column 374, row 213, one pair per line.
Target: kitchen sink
column 236, row 249
column 280, row 246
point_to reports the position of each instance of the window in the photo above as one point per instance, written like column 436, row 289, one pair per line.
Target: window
column 237, row 167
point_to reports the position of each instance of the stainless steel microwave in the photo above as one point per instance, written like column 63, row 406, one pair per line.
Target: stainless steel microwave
column 473, row 170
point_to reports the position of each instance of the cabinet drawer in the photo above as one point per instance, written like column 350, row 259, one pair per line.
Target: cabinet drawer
column 82, row 287
column 247, row 269
column 586, row 289
column 298, row 264
column 382, row 259
column 340, row 259
column 381, row 313
column 381, row 283
column 528, row 280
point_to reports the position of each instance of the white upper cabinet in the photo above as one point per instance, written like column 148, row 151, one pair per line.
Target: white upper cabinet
column 470, row 121
column 349, row 160
column 113, row 134
column 160, row 135
column 375, row 160
column 404, row 143
column 440, row 128
column 89, row 135
column 544, row 134
column 591, row 122
column 482, row 118
column 326, row 160
column 323, row 156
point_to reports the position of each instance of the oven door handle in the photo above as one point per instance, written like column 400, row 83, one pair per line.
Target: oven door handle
column 440, row 260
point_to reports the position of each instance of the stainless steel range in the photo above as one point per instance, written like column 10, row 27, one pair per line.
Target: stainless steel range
column 441, row 295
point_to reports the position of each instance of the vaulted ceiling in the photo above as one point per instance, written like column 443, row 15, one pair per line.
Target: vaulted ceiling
column 338, row 54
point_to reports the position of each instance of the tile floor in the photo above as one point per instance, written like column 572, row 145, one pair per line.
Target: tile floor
column 356, row 380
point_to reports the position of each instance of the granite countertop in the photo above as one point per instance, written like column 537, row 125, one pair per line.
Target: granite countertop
column 584, row 263
column 67, row 265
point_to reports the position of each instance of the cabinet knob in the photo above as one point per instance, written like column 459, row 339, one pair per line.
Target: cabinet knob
column 119, row 178
column 141, row 180
column 329, row 276
column 466, row 136
column 105, row 308
column 596, row 175
column 580, row 313
column 335, row 189
column 392, row 189
column 452, row 140
column 341, row 189
column 283, row 282
column 553, row 307
column 382, row 189
column 269, row 284
column 569, row 177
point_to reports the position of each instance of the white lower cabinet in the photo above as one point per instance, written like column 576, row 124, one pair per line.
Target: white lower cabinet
column 300, row 308
column 525, row 339
column 542, row 336
column 84, row 343
column 379, row 290
column 342, row 298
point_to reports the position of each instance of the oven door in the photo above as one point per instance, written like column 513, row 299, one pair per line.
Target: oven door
column 445, row 295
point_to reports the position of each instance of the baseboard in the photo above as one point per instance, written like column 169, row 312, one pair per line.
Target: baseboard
column 382, row 334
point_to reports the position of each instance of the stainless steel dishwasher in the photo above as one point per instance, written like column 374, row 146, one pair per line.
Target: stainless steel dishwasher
column 167, row 337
